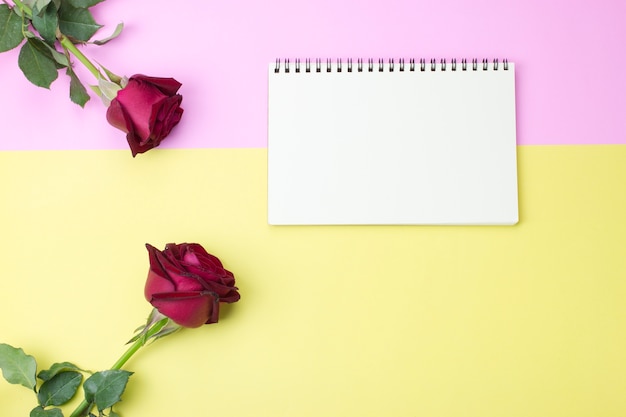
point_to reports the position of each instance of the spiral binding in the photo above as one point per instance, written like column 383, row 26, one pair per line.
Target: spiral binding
column 371, row 65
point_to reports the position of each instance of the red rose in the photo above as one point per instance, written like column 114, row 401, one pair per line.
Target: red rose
column 146, row 109
column 186, row 284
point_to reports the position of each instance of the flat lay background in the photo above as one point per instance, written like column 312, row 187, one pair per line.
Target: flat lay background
column 569, row 58
column 522, row 321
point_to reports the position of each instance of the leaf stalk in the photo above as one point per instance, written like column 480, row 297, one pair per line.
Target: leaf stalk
column 84, row 407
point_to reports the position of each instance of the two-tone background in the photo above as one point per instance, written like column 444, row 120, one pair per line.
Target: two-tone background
column 528, row 320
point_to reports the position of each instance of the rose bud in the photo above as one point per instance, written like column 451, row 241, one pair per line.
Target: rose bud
column 147, row 109
column 187, row 284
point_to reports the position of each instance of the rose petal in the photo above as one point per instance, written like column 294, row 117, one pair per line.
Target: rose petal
column 155, row 263
column 188, row 309
column 138, row 100
column 191, row 259
column 167, row 86
column 168, row 268
column 117, row 117
column 137, row 145
column 156, row 284
column 165, row 115
column 169, row 259
column 232, row 296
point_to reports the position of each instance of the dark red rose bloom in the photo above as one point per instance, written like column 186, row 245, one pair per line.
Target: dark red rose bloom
column 146, row 109
column 187, row 284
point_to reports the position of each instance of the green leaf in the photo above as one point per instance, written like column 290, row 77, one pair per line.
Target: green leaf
column 113, row 414
column 47, row 22
column 37, row 63
column 115, row 34
column 10, row 28
column 39, row 6
column 40, row 412
column 60, row 389
column 77, row 23
column 57, row 368
column 84, row 3
column 61, row 60
column 17, row 366
column 78, row 92
column 105, row 388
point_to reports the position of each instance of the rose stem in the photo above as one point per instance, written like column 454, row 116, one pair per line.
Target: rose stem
column 26, row 11
column 70, row 47
column 137, row 344
column 23, row 7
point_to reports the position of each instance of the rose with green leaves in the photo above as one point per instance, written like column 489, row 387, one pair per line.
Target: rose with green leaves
column 49, row 32
column 185, row 285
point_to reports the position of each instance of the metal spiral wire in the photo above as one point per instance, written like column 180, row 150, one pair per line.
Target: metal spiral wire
column 378, row 65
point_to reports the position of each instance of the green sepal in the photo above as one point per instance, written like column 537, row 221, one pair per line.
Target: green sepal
column 59, row 389
column 115, row 34
column 18, row 367
column 56, row 369
column 10, row 28
column 78, row 92
column 105, row 388
column 112, row 76
column 108, row 90
column 77, row 23
column 36, row 62
column 46, row 22
column 96, row 90
column 51, row 412
column 158, row 325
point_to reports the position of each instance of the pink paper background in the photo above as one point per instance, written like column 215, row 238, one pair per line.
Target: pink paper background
column 570, row 60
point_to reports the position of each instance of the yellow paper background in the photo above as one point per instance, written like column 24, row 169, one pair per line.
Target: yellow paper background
column 528, row 320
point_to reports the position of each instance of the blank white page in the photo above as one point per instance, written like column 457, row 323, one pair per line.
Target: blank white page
column 392, row 147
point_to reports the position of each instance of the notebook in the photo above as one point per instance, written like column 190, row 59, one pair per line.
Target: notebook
column 380, row 142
